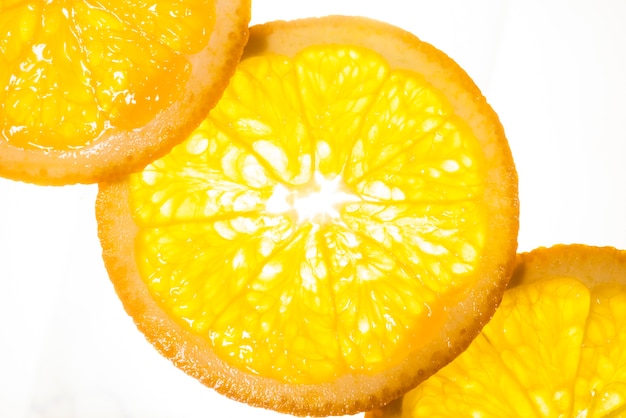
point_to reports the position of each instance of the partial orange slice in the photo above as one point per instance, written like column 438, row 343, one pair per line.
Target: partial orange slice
column 554, row 348
column 92, row 90
column 340, row 227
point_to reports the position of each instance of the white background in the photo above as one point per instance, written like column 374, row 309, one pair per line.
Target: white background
column 554, row 72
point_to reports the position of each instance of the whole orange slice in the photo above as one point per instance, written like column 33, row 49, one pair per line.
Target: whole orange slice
column 91, row 90
column 340, row 226
column 554, row 348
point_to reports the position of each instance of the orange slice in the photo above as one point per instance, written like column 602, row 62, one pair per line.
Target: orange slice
column 340, row 226
column 554, row 348
column 91, row 90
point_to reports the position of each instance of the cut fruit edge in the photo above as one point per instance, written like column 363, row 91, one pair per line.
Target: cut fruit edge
column 120, row 152
column 351, row 393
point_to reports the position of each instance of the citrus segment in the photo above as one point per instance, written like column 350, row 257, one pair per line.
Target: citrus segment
column 338, row 86
column 327, row 222
column 274, row 136
column 78, row 74
column 554, row 348
column 600, row 387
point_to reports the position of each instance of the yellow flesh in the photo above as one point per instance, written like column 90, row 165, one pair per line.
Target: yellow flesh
column 554, row 348
column 319, row 221
column 73, row 69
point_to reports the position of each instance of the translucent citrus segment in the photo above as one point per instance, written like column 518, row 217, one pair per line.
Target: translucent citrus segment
column 338, row 87
column 600, row 386
column 73, row 69
column 339, row 239
column 554, row 348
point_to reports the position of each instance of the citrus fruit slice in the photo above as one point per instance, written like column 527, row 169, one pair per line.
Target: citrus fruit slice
column 91, row 90
column 339, row 227
column 554, row 348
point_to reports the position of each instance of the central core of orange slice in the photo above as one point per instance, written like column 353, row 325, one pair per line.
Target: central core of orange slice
column 321, row 219
column 318, row 202
column 70, row 70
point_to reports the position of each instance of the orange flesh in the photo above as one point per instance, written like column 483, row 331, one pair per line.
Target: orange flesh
column 73, row 69
column 315, row 217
